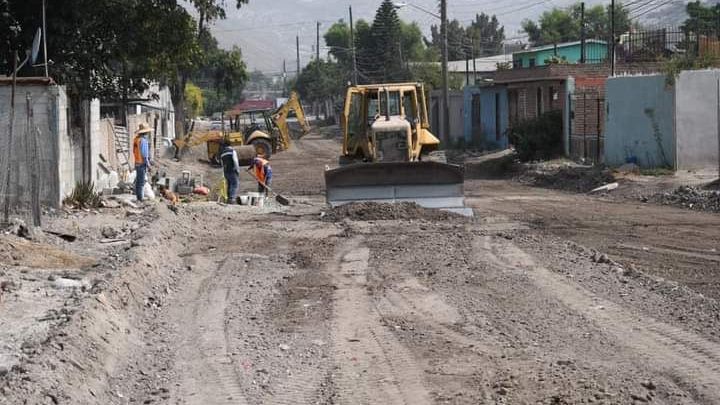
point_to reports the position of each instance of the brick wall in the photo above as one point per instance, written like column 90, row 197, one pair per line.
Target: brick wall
column 563, row 71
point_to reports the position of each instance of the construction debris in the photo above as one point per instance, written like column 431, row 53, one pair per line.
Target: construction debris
column 694, row 198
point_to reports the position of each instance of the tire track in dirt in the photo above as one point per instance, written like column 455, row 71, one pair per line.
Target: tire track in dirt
column 371, row 365
column 205, row 371
column 684, row 355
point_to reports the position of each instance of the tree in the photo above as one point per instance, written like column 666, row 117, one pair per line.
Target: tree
column 337, row 38
column 387, row 38
column 485, row 32
column 564, row 24
column 320, row 80
column 487, row 35
column 458, row 41
column 194, row 100
column 702, row 18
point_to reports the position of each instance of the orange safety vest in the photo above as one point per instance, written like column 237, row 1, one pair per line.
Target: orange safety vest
column 137, row 153
column 260, row 164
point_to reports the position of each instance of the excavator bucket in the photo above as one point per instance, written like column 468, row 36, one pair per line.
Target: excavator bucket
column 429, row 184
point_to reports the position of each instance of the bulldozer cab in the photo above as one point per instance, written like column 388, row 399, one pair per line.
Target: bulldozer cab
column 386, row 123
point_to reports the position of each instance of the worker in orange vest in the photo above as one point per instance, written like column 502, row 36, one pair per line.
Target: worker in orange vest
column 262, row 171
column 142, row 157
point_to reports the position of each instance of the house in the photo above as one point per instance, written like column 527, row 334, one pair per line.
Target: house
column 596, row 51
column 457, row 117
column 658, row 124
column 472, row 71
column 486, row 116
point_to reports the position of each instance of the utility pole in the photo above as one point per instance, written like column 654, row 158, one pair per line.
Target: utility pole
column 297, row 47
column 582, row 32
column 473, row 59
column 718, row 126
column 445, row 78
column 352, row 48
column 317, row 43
column 284, row 77
column 44, row 35
column 467, row 65
column 612, row 38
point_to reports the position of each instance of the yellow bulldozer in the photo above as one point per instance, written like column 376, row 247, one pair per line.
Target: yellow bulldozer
column 269, row 136
column 389, row 153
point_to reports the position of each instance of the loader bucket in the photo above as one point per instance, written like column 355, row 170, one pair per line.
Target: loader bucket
column 429, row 184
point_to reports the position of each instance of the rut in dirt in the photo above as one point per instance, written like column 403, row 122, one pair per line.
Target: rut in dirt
column 689, row 358
column 372, row 366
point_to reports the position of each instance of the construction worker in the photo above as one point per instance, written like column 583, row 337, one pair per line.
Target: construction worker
column 262, row 172
column 231, row 171
column 142, row 157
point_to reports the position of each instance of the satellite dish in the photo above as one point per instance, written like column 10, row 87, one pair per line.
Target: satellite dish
column 35, row 46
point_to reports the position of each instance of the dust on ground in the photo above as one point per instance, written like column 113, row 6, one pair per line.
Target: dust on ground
column 545, row 297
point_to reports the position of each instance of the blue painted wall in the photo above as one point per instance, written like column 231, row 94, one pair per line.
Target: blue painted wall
column 595, row 52
column 639, row 124
column 487, row 121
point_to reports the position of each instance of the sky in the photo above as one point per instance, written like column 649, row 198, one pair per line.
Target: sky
column 265, row 30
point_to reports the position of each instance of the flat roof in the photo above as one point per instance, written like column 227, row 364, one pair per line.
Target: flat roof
column 27, row 81
column 562, row 45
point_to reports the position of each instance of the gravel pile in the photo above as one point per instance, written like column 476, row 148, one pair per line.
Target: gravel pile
column 369, row 211
column 694, row 198
column 574, row 179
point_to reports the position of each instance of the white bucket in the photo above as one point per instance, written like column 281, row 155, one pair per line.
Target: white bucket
column 261, row 202
column 254, row 197
column 244, row 200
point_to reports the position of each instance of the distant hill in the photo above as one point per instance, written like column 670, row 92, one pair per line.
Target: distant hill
column 266, row 29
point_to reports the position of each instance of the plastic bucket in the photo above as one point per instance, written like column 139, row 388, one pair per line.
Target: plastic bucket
column 244, row 200
column 254, row 197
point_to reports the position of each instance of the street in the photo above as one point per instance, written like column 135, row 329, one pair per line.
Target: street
column 542, row 297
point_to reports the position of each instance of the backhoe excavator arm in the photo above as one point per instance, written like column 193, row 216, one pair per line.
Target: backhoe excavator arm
column 280, row 119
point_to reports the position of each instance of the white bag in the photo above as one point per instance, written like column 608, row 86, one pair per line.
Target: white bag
column 148, row 192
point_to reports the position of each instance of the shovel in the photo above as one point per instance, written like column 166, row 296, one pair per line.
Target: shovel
column 280, row 199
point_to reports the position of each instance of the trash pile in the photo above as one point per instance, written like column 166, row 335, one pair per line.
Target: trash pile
column 695, row 198
column 370, row 211
column 578, row 179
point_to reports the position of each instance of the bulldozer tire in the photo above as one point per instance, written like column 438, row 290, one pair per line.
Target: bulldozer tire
column 262, row 147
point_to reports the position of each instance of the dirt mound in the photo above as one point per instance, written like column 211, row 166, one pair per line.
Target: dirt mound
column 19, row 252
column 369, row 211
column 568, row 178
column 695, row 198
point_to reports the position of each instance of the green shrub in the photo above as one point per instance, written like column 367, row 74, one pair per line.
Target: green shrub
column 83, row 196
column 538, row 138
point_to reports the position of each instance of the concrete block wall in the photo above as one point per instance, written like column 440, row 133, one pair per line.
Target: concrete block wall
column 696, row 119
column 48, row 106
column 639, row 121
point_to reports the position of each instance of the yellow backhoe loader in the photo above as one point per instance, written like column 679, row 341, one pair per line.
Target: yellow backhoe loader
column 213, row 140
column 269, row 137
column 389, row 154
column 275, row 136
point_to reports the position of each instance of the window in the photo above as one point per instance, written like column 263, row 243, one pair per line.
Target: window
column 497, row 116
column 539, row 102
column 517, row 63
column 532, row 62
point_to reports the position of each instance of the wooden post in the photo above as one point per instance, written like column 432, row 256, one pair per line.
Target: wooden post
column 6, row 207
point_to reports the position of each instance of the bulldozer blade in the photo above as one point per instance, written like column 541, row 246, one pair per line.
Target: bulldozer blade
column 429, row 184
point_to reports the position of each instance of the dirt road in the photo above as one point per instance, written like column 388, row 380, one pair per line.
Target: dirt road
column 544, row 297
